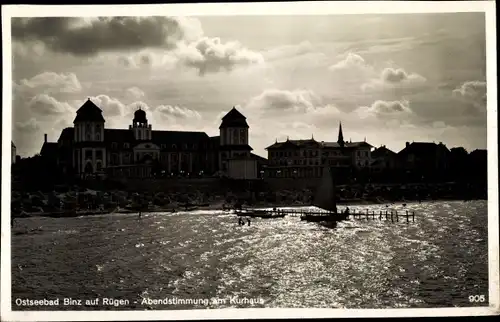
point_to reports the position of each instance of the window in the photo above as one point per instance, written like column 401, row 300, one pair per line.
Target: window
column 126, row 145
column 185, row 146
column 88, row 154
column 98, row 154
column 174, row 146
column 114, row 145
column 98, row 166
column 194, row 147
column 98, row 137
column 163, row 146
column 88, row 136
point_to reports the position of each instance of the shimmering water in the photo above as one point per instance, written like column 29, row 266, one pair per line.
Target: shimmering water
column 437, row 261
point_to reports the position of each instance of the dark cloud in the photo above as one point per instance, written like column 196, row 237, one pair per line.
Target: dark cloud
column 85, row 37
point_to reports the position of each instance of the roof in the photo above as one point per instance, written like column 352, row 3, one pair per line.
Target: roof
column 67, row 135
column 422, row 148
column 49, row 149
column 234, row 119
column 297, row 144
column 382, row 151
column 257, row 157
column 89, row 112
column 140, row 116
column 170, row 137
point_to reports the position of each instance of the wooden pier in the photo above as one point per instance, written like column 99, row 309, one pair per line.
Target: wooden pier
column 393, row 216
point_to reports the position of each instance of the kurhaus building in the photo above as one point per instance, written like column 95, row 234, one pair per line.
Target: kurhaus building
column 89, row 148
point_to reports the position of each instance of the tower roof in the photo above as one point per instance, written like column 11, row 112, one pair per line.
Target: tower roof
column 233, row 119
column 89, row 112
column 140, row 116
column 340, row 139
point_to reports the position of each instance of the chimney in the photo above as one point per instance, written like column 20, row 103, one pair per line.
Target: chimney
column 407, row 144
column 45, row 137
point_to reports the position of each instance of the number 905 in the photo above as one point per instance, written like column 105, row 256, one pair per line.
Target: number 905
column 477, row 298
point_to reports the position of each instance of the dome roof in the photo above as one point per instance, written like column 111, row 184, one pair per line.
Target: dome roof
column 140, row 116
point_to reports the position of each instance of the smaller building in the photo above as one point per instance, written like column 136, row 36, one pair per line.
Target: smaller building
column 383, row 159
column 306, row 158
column 424, row 158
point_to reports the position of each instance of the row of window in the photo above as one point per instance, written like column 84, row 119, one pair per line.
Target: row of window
column 294, row 162
column 281, row 154
column 185, row 146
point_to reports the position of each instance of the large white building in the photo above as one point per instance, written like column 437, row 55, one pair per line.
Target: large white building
column 90, row 149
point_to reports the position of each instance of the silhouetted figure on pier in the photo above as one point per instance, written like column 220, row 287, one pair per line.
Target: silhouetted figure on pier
column 140, row 214
column 248, row 219
column 346, row 210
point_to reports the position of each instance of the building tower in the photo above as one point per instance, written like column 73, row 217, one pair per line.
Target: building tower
column 142, row 131
column 233, row 138
column 340, row 139
column 89, row 150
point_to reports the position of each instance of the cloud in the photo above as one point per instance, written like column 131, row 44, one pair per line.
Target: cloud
column 351, row 61
column 391, row 75
column 151, row 41
column 146, row 59
column 45, row 105
column 284, row 100
column 392, row 78
column 29, row 127
column 110, row 106
column 177, row 112
column 49, row 83
column 384, row 109
column 210, row 55
column 134, row 93
column 473, row 92
column 90, row 36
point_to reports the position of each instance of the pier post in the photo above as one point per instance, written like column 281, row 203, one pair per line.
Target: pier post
column 392, row 216
column 380, row 217
column 413, row 216
column 386, row 215
column 407, row 217
column 373, row 215
column 367, row 218
column 397, row 217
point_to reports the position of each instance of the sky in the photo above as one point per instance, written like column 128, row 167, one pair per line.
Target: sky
column 388, row 78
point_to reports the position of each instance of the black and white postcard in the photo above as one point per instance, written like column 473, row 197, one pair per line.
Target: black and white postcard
column 264, row 160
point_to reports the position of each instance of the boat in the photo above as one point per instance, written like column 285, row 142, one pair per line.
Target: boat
column 325, row 199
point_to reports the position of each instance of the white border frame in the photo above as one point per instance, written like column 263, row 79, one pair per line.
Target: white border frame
column 283, row 8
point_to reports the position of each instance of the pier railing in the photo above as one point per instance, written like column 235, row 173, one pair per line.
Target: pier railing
column 393, row 216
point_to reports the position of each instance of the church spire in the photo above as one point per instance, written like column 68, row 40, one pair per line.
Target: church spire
column 340, row 139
